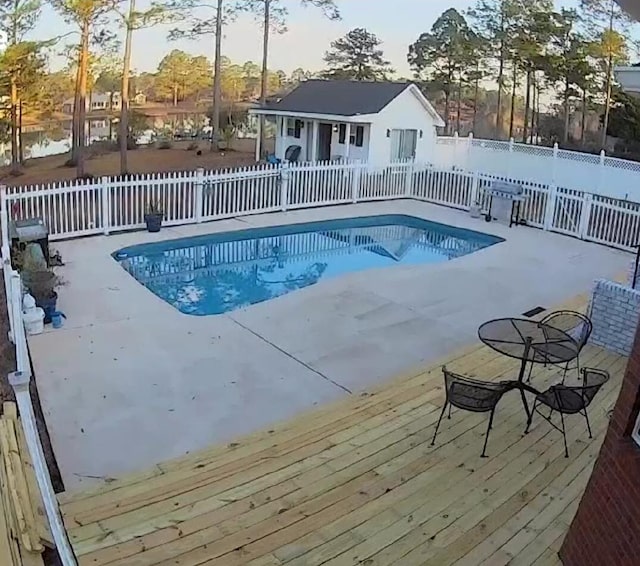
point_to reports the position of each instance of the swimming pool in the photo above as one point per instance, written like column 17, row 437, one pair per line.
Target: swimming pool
column 217, row 273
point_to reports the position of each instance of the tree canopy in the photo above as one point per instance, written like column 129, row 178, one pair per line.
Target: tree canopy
column 357, row 56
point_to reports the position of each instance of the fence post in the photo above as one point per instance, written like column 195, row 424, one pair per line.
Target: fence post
column 554, row 166
column 601, row 175
column 355, row 185
column 408, row 179
column 585, row 215
column 199, row 203
column 456, row 139
column 467, row 164
column 105, row 191
column 285, row 173
column 475, row 186
column 510, row 165
column 4, row 221
column 550, row 209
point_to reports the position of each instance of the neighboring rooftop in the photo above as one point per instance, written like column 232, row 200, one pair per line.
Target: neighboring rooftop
column 340, row 98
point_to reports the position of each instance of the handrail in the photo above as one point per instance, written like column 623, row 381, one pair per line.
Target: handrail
column 20, row 380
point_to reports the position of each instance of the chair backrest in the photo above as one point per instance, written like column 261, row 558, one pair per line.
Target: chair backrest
column 293, row 153
column 575, row 398
column 472, row 394
column 575, row 324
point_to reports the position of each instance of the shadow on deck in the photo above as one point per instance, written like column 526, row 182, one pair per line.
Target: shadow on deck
column 358, row 482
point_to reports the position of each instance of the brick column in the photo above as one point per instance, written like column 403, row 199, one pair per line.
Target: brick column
column 606, row 529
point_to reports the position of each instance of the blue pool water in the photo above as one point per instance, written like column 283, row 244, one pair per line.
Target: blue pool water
column 218, row 273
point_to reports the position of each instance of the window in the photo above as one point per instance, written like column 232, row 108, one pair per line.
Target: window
column 357, row 136
column 403, row 144
column 294, row 128
column 342, row 136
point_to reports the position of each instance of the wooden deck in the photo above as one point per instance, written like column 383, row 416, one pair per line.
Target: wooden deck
column 358, row 482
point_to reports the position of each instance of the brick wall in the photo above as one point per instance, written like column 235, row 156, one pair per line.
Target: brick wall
column 615, row 311
column 606, row 529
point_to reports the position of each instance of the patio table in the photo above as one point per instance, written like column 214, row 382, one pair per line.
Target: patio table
column 530, row 342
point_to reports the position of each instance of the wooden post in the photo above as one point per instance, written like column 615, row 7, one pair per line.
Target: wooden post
column 199, row 204
column 259, row 140
column 284, row 186
column 475, row 186
column 4, row 221
column 314, row 141
column 355, row 187
column 585, row 215
column 105, row 194
column 550, row 209
column 347, row 141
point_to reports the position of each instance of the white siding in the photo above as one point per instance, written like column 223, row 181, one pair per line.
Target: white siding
column 283, row 142
column 356, row 153
column 406, row 112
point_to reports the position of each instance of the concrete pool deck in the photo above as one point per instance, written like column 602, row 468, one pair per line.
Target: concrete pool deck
column 130, row 381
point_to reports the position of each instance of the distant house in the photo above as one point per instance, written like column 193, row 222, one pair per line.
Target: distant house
column 96, row 102
column 377, row 122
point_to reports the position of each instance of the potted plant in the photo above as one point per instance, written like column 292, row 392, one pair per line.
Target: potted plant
column 153, row 216
column 41, row 282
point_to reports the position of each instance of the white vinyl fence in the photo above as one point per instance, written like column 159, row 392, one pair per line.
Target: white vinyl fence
column 568, row 192
column 20, row 380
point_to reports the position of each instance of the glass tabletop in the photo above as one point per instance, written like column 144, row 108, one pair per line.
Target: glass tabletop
column 528, row 340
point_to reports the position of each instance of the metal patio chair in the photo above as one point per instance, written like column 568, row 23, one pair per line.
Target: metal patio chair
column 578, row 326
column 471, row 395
column 570, row 400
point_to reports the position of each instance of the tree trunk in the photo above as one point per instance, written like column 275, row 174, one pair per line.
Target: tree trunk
column 20, row 144
column 124, row 94
column 608, row 84
column 475, row 103
column 583, row 122
column 75, row 131
column 533, row 109
column 527, row 103
column 15, row 158
column 513, row 98
column 539, row 91
column 265, row 64
column 500, row 78
column 446, row 112
column 175, row 94
column 217, row 77
column 567, row 112
column 82, row 98
column 459, row 104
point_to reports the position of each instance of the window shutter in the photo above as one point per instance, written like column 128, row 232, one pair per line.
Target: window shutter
column 343, row 133
column 359, row 136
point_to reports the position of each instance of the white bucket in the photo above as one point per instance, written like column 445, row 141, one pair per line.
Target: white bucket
column 33, row 321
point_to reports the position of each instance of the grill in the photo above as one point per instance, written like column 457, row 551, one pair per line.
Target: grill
column 506, row 199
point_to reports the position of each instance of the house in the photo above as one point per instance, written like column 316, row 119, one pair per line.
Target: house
column 96, row 102
column 605, row 528
column 379, row 122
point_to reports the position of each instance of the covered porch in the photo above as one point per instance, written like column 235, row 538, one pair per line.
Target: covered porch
column 319, row 137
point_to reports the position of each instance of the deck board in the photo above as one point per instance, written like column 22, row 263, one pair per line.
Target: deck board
column 358, row 482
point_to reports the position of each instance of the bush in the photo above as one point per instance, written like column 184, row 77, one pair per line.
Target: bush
column 165, row 144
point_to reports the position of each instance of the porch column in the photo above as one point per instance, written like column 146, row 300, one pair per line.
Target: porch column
column 279, row 139
column 347, row 140
column 259, row 139
column 314, row 141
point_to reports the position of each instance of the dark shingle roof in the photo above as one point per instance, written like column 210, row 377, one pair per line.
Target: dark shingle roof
column 340, row 98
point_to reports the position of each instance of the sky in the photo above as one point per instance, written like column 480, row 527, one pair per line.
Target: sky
column 397, row 23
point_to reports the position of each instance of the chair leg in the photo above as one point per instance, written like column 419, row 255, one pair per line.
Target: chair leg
column 486, row 436
column 530, row 372
column 564, row 435
column 533, row 410
column 439, row 421
column 564, row 372
column 449, row 415
column 586, row 417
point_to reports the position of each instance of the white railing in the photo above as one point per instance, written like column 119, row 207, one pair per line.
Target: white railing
column 20, row 380
column 583, row 205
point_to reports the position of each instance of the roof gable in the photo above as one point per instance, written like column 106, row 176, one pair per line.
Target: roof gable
column 340, row 98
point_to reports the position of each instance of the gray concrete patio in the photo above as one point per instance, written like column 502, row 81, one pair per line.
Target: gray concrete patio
column 130, row 381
